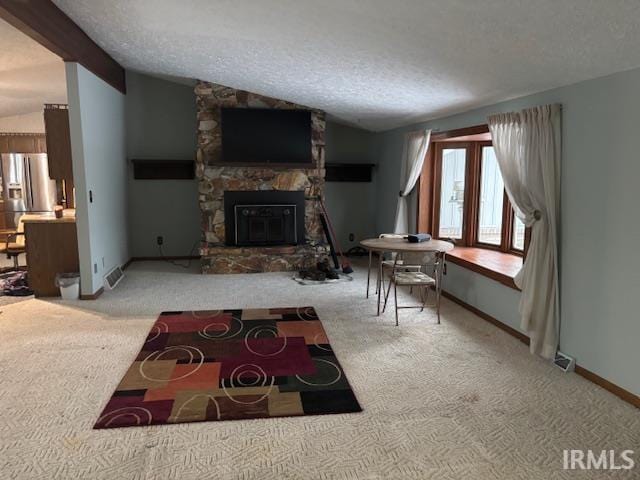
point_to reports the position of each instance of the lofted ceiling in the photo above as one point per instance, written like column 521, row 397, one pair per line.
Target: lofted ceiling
column 375, row 63
column 30, row 75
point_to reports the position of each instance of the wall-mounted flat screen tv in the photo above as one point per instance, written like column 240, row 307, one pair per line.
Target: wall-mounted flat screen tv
column 261, row 135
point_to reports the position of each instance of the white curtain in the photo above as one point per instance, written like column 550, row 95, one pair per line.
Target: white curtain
column 528, row 148
column 415, row 149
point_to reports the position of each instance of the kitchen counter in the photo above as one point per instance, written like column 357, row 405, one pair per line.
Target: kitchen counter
column 68, row 216
column 52, row 247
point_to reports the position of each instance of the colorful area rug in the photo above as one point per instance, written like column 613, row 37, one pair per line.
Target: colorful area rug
column 230, row 365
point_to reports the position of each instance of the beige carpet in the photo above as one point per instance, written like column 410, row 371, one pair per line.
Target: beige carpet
column 460, row 400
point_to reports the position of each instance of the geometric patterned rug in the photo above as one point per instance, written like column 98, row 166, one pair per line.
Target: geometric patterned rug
column 229, row 365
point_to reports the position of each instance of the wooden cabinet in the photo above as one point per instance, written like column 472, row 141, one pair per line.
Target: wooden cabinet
column 22, row 143
column 52, row 247
column 40, row 144
column 56, row 124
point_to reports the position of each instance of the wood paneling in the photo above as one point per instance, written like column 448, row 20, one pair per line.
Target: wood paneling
column 22, row 143
column 52, row 247
column 43, row 21
column 460, row 132
column 163, row 169
column 41, row 144
column 56, row 123
column 425, row 194
column 68, row 193
column 348, row 172
column 498, row 266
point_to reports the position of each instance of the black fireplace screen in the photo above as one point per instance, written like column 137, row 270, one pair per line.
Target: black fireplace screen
column 258, row 218
column 265, row 224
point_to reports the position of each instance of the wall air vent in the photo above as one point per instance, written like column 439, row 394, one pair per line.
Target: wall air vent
column 112, row 278
column 564, row 362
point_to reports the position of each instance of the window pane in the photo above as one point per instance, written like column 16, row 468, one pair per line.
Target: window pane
column 518, row 234
column 491, row 198
column 452, row 192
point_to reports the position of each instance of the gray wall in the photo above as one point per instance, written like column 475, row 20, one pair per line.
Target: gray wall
column 599, row 266
column 96, row 117
column 161, row 124
column 351, row 205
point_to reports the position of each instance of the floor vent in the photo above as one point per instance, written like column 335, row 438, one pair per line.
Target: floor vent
column 113, row 278
column 564, row 362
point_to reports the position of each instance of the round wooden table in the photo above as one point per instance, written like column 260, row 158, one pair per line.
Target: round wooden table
column 400, row 245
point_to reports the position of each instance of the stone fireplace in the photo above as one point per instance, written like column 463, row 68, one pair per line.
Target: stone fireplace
column 267, row 241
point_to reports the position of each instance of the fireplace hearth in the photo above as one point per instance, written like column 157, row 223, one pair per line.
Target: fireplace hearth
column 264, row 218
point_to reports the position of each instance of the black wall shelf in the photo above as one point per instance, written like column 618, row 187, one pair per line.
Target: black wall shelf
column 147, row 169
column 348, row 172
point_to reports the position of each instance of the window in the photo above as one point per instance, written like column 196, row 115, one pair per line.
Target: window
column 452, row 192
column 491, row 199
column 462, row 195
column 518, row 234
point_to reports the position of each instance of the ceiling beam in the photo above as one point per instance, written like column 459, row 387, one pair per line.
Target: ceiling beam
column 44, row 22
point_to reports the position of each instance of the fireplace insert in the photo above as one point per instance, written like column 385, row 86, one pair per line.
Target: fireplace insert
column 264, row 218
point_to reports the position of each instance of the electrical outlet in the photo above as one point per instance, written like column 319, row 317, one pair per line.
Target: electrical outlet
column 95, row 268
column 160, row 240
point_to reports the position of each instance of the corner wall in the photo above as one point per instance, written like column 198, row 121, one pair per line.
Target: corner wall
column 351, row 205
column 97, row 121
column 600, row 234
column 161, row 124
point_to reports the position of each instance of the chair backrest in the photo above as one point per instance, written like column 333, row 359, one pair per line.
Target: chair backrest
column 428, row 259
column 392, row 235
column 20, row 239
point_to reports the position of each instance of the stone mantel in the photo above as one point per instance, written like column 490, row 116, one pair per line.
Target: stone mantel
column 214, row 179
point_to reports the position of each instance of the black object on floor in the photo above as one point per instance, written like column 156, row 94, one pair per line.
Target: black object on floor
column 346, row 266
column 357, row 252
column 322, row 272
column 14, row 284
column 327, row 234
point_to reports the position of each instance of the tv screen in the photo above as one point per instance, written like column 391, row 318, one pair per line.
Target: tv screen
column 260, row 135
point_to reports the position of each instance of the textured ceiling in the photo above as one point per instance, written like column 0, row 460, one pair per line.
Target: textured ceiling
column 30, row 75
column 376, row 63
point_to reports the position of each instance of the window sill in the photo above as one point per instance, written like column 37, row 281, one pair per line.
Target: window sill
column 498, row 266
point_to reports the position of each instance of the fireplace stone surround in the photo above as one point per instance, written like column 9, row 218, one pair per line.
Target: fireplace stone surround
column 214, row 178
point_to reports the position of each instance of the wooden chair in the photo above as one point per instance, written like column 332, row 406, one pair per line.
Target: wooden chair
column 15, row 244
column 434, row 263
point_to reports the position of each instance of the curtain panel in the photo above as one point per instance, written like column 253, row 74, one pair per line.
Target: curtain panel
column 528, row 148
column 416, row 145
